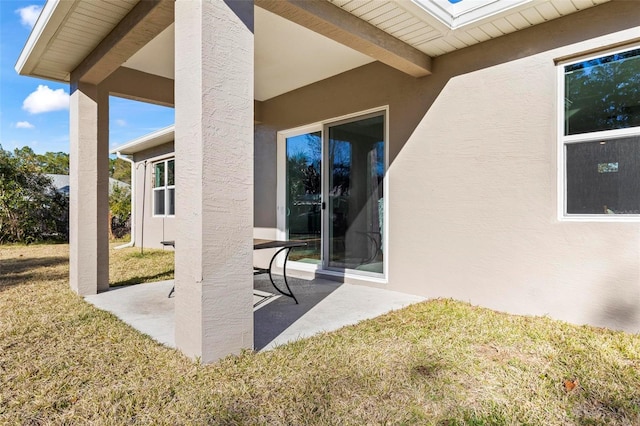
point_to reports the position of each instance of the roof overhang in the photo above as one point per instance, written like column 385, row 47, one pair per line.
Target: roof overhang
column 70, row 38
column 87, row 41
column 51, row 17
column 151, row 140
column 297, row 42
column 456, row 14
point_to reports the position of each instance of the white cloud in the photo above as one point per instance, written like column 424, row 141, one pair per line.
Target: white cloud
column 46, row 100
column 24, row 125
column 29, row 15
column 121, row 122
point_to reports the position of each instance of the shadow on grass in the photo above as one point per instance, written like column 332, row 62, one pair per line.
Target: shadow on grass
column 24, row 271
column 166, row 275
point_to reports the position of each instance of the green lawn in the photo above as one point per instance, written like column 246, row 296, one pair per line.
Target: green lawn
column 440, row 362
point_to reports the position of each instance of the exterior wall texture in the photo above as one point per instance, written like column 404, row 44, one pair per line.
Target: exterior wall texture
column 473, row 212
column 150, row 229
column 214, row 177
column 89, row 187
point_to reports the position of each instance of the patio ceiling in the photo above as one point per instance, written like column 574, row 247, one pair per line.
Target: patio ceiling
column 287, row 56
column 296, row 42
column 436, row 27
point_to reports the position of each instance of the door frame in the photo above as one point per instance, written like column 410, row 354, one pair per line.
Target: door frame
column 281, row 193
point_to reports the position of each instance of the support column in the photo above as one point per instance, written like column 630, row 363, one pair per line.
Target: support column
column 89, row 188
column 214, row 177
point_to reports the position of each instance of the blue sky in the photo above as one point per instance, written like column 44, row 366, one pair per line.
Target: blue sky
column 35, row 112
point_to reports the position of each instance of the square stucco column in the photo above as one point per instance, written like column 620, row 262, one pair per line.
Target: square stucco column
column 89, row 186
column 214, row 177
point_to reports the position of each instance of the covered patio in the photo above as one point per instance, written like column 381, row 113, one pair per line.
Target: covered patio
column 450, row 113
column 215, row 63
column 324, row 306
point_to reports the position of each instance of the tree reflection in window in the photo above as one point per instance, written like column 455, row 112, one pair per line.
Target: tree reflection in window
column 603, row 93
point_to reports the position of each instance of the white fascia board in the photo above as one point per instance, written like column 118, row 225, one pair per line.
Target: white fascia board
column 51, row 17
column 465, row 12
column 147, row 141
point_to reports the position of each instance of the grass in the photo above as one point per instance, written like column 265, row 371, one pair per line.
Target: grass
column 440, row 362
column 131, row 266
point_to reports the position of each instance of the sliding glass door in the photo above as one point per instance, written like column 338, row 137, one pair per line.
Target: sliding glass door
column 355, row 194
column 334, row 194
column 304, row 195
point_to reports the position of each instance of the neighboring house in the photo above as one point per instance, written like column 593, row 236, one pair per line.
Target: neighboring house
column 61, row 183
column 153, row 187
column 480, row 150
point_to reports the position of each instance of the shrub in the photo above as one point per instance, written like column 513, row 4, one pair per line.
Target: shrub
column 31, row 209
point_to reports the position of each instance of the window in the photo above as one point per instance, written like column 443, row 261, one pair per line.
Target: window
column 164, row 189
column 601, row 135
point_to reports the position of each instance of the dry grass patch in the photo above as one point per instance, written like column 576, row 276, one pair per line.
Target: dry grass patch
column 440, row 362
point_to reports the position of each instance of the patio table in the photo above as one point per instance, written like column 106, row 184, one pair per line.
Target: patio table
column 171, row 243
column 259, row 244
column 281, row 245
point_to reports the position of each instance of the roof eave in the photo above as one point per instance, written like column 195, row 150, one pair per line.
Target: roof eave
column 52, row 14
column 147, row 141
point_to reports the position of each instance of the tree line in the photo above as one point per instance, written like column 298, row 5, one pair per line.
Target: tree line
column 31, row 207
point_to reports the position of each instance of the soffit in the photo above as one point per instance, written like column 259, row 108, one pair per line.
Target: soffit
column 75, row 29
column 408, row 21
column 147, row 141
column 287, row 55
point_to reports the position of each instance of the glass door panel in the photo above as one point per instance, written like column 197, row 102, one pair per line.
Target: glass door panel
column 304, row 195
column 356, row 167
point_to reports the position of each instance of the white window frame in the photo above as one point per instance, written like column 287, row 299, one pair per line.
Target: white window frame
column 564, row 140
column 165, row 187
column 281, row 195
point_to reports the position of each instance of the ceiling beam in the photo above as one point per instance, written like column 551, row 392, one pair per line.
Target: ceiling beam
column 140, row 86
column 339, row 25
column 144, row 22
column 257, row 111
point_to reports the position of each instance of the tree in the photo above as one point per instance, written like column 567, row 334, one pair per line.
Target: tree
column 120, row 170
column 30, row 207
column 119, row 198
column 120, row 209
column 56, row 163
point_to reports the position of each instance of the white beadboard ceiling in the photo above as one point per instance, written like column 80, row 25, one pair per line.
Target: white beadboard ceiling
column 288, row 56
column 70, row 34
column 411, row 22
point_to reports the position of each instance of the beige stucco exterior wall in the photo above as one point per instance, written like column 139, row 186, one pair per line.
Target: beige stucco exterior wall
column 150, row 229
column 473, row 211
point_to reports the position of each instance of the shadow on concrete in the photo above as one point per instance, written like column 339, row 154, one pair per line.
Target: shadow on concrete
column 277, row 316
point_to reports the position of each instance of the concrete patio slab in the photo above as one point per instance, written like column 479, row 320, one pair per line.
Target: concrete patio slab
column 325, row 306
column 144, row 307
column 347, row 305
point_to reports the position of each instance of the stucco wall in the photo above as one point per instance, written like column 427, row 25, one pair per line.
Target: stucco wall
column 155, row 229
column 472, row 195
